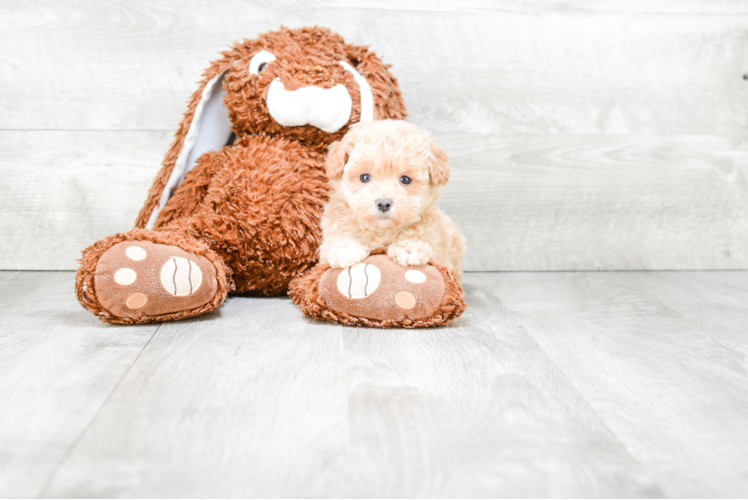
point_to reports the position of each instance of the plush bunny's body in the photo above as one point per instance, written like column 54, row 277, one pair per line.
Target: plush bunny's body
column 238, row 202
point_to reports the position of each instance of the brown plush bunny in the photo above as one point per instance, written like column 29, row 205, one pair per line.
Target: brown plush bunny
column 237, row 204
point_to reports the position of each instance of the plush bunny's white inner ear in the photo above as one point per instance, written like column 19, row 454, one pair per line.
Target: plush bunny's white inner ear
column 210, row 130
column 367, row 99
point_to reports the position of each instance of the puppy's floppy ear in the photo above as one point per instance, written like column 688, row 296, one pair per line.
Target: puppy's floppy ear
column 439, row 168
column 337, row 156
column 337, row 153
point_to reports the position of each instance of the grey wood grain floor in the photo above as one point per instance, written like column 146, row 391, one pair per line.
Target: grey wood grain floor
column 626, row 384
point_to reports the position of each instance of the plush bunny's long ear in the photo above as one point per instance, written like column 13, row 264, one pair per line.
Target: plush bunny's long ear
column 387, row 100
column 205, row 127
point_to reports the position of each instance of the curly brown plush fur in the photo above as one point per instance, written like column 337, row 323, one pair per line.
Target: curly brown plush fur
column 258, row 206
column 253, row 208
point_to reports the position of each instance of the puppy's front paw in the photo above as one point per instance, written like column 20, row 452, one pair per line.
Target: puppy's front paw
column 410, row 253
column 347, row 254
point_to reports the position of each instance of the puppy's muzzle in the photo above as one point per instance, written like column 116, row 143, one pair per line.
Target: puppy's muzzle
column 384, row 204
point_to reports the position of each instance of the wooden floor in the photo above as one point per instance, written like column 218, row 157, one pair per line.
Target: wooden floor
column 623, row 384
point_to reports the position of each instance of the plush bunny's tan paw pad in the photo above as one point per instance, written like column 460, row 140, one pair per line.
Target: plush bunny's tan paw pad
column 379, row 293
column 381, row 290
column 140, row 278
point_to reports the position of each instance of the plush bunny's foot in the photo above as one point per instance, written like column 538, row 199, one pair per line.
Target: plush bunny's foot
column 139, row 281
column 380, row 293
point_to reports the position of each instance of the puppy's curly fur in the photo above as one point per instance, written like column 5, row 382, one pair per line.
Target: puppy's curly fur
column 385, row 178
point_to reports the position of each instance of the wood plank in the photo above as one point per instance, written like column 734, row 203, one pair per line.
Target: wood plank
column 552, row 384
column 549, row 202
column 599, row 202
column 477, row 410
column 254, row 400
column 714, row 301
column 65, row 190
column 58, row 365
column 237, row 398
column 570, row 67
column 666, row 384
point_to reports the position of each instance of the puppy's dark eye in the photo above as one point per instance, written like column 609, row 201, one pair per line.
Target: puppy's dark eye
column 262, row 67
column 405, row 179
column 365, row 178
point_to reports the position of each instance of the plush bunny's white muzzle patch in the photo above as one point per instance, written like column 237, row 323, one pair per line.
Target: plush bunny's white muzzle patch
column 326, row 109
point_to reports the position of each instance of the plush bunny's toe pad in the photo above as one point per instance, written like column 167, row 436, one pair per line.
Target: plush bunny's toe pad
column 135, row 279
column 380, row 293
column 381, row 290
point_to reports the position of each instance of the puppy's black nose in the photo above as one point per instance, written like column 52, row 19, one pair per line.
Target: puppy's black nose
column 384, row 204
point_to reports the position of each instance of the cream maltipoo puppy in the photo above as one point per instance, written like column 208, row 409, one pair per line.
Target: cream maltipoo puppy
column 385, row 177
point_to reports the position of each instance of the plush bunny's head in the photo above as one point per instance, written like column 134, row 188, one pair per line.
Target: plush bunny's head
column 308, row 84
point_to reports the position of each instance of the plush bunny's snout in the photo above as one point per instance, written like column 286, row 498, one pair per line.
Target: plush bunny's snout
column 327, row 109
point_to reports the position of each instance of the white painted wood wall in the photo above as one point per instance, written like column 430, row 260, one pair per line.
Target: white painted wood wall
column 583, row 134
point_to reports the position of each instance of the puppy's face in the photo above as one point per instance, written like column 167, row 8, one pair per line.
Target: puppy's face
column 388, row 172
